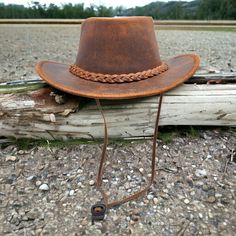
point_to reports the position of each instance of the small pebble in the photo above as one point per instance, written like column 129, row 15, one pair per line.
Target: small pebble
column 222, row 226
column 141, row 170
column 205, row 187
column 11, row 158
column 132, row 222
column 189, row 180
column 211, row 199
column 32, row 178
column 150, row 197
column 186, row 201
column 165, row 191
column 38, row 183
column 165, row 196
column 44, row 187
column 129, row 177
column 218, row 195
column 71, row 193
column 201, row 173
column 84, row 222
column 210, row 215
column 209, row 156
column 155, row 200
column 165, row 147
column 91, row 182
column 80, row 185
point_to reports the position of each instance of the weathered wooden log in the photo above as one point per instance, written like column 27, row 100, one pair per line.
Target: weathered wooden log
column 36, row 114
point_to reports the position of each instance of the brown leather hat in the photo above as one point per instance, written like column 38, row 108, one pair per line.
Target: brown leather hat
column 118, row 58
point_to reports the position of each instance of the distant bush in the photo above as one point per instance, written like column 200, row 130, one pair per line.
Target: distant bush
column 198, row 9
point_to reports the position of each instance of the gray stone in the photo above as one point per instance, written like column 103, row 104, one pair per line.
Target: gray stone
column 44, row 187
column 211, row 199
column 11, row 158
column 33, row 214
column 38, row 183
column 16, row 219
column 91, row 182
column 186, row 201
column 201, row 173
column 32, row 178
column 141, row 170
column 150, row 196
column 71, row 192
column 155, row 200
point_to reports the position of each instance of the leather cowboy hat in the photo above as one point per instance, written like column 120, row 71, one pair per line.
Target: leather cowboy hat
column 118, row 58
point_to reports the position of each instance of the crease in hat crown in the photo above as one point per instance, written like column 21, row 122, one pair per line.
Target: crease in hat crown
column 117, row 50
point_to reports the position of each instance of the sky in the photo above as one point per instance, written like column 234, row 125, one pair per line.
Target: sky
column 107, row 3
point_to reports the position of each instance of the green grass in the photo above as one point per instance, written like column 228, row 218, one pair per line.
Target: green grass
column 27, row 143
column 20, row 88
column 166, row 134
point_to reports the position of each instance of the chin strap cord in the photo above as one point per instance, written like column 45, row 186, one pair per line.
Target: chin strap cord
column 98, row 210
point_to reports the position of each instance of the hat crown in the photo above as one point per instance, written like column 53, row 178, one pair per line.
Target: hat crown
column 118, row 45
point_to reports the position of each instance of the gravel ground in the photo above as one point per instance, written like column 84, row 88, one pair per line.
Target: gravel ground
column 49, row 191
column 22, row 46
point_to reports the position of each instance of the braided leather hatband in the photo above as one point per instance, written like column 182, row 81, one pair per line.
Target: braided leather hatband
column 115, row 78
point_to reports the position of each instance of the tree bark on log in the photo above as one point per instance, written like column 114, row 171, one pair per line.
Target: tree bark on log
column 38, row 114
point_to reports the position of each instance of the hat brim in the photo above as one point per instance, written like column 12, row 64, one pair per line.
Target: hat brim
column 180, row 69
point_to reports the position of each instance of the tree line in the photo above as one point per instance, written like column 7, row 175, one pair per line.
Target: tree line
column 198, row 9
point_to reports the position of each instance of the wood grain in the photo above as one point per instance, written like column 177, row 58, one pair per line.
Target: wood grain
column 35, row 114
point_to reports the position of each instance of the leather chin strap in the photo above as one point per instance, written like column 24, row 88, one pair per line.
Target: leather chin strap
column 98, row 210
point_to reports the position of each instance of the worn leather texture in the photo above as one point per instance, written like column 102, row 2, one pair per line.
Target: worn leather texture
column 118, row 46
